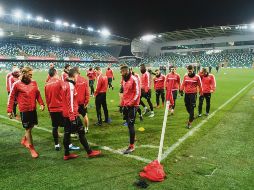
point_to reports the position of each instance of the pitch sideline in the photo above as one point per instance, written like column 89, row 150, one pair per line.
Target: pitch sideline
column 196, row 128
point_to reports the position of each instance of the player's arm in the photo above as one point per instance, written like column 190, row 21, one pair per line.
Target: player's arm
column 178, row 81
column 39, row 98
column 200, row 86
column 46, row 96
column 11, row 100
column 213, row 83
column 135, row 86
column 87, row 94
column 98, row 86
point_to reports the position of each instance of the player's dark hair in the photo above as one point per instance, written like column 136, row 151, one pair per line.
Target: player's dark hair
column 72, row 72
column 190, row 67
column 52, row 72
column 66, row 66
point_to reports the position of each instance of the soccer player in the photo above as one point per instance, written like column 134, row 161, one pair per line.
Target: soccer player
column 173, row 76
column 27, row 93
column 91, row 76
column 130, row 103
column 110, row 76
column 8, row 88
column 72, row 121
column 159, row 81
column 191, row 82
column 146, row 90
column 100, row 96
column 83, row 97
column 67, row 67
column 55, row 105
column 209, row 86
column 51, row 65
column 11, row 80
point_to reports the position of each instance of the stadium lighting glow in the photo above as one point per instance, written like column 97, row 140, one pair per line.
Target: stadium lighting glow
column 46, row 20
column 252, row 25
column 28, row 17
column 105, row 32
column 17, row 14
column 148, row 37
column 1, row 11
column 58, row 22
column 159, row 35
column 73, row 25
column 66, row 24
column 90, row 29
column 39, row 18
column 99, row 31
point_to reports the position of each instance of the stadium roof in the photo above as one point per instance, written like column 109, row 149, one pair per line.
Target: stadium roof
column 43, row 29
column 215, row 31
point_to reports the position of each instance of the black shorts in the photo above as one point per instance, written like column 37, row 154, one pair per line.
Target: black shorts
column 91, row 82
column 109, row 80
column 29, row 119
column 57, row 119
column 146, row 95
column 68, row 126
column 82, row 110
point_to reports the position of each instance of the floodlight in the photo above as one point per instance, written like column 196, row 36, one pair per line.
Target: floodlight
column 159, row 35
column 105, row 32
column 39, row 18
column 55, row 39
column 58, row 22
column 17, row 14
column 28, row 17
column 73, row 25
column 46, row 20
column 90, row 29
column 66, row 24
column 148, row 37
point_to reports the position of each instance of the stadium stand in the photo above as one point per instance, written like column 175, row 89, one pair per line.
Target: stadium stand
column 229, row 59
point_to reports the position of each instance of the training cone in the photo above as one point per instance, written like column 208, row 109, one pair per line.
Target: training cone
column 141, row 129
column 153, row 171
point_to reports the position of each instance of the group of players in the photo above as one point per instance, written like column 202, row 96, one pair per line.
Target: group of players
column 67, row 97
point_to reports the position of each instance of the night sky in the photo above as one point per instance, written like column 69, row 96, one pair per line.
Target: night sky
column 131, row 18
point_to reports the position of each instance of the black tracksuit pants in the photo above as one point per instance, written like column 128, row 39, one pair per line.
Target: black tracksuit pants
column 129, row 114
column 190, row 104
column 78, row 128
column 160, row 93
column 100, row 100
column 207, row 97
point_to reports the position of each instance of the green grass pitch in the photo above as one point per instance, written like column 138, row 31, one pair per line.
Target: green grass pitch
column 219, row 156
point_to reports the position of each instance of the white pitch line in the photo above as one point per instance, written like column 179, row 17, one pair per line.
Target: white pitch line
column 102, row 147
column 193, row 130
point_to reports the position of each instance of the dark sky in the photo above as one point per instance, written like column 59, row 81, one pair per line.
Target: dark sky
column 131, row 18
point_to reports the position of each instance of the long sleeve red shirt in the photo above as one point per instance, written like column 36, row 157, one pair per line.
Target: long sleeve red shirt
column 208, row 83
column 176, row 78
column 131, row 92
column 91, row 75
column 109, row 73
column 102, row 85
column 145, row 81
column 159, row 82
column 26, row 94
column 70, row 101
column 53, row 94
column 191, row 84
column 82, row 90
